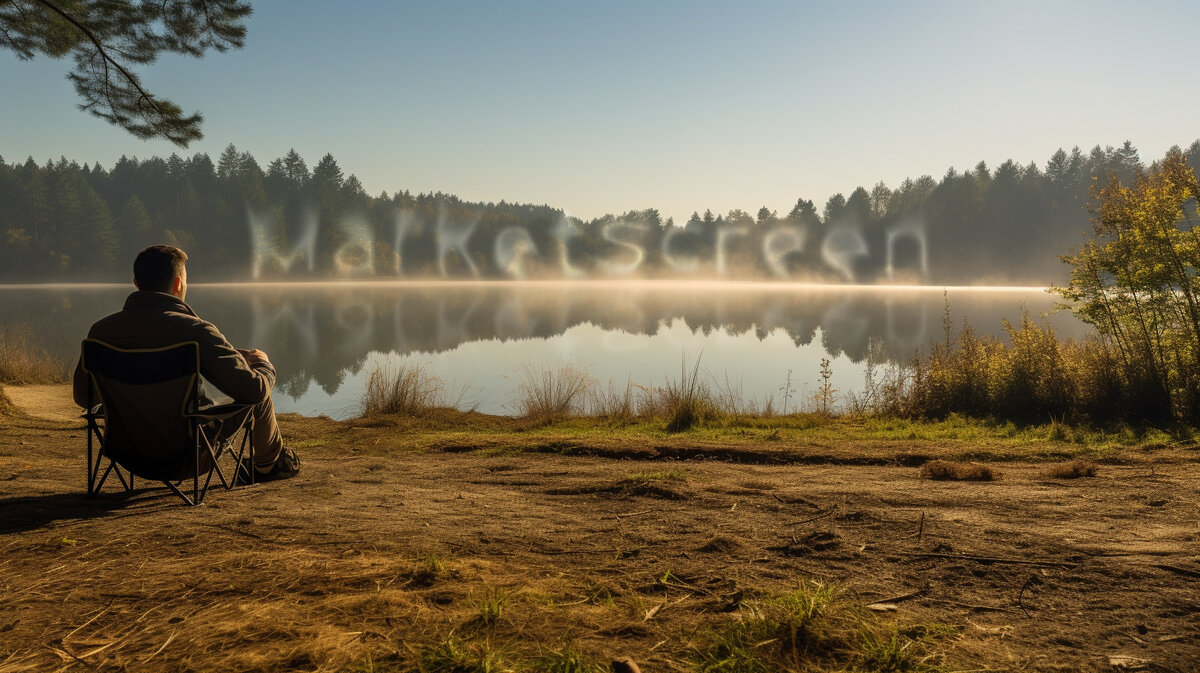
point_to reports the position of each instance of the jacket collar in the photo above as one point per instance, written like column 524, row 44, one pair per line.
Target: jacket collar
column 144, row 300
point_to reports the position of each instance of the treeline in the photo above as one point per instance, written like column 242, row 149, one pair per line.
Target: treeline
column 65, row 221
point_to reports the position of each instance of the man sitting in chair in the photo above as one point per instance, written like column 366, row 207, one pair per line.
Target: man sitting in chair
column 156, row 316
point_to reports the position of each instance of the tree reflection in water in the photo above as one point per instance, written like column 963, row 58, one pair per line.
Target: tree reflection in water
column 323, row 333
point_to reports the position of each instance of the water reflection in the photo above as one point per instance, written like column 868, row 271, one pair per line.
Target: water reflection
column 321, row 334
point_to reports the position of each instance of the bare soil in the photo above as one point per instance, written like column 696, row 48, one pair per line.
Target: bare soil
column 392, row 538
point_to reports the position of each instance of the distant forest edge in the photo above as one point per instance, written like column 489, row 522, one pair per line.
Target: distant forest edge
column 63, row 221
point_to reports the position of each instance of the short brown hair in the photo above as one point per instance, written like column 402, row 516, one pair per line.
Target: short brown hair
column 156, row 266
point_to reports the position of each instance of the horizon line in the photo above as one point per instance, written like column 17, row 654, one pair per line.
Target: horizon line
column 594, row 283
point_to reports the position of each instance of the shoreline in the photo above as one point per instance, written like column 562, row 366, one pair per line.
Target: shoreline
column 668, row 284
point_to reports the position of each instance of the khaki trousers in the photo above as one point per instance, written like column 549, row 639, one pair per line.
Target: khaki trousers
column 268, row 443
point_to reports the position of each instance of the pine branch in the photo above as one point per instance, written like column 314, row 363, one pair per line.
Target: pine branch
column 104, row 55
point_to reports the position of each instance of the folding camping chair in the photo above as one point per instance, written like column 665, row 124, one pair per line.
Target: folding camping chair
column 148, row 422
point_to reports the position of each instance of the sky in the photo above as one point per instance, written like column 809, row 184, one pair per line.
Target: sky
column 605, row 107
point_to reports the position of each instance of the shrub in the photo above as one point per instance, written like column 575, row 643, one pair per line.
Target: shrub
column 1034, row 376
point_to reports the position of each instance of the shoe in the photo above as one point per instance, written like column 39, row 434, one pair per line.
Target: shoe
column 287, row 465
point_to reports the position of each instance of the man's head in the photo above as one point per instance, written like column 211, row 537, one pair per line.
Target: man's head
column 161, row 268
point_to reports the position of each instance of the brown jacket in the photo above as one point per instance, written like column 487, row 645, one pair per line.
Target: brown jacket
column 155, row 319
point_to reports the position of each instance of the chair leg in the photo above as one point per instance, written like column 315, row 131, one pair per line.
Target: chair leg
column 91, row 477
column 247, row 447
column 128, row 485
column 182, row 496
column 196, row 472
column 95, row 457
column 103, row 477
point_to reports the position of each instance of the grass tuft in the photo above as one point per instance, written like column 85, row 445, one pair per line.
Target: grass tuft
column 567, row 660
column 454, row 655
column 547, row 394
column 491, row 606
column 429, row 571
column 889, row 649
column 406, row 390
column 778, row 633
column 948, row 470
column 812, row 629
column 1072, row 470
column 617, row 405
column 686, row 400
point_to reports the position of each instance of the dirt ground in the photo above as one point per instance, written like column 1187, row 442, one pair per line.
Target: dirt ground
column 384, row 543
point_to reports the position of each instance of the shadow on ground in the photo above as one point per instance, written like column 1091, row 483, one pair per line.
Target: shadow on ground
column 32, row 512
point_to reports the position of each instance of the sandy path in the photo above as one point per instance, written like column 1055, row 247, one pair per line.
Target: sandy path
column 49, row 402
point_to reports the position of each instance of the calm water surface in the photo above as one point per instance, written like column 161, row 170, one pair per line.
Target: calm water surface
column 477, row 337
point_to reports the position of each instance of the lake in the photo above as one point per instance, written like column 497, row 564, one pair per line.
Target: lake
column 477, row 337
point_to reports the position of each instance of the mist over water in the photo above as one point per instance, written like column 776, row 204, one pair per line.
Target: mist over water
column 324, row 338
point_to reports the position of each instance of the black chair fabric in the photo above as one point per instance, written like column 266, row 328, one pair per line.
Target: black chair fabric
column 145, row 394
column 148, row 419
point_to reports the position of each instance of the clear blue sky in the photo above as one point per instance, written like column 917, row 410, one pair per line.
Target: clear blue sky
column 608, row 106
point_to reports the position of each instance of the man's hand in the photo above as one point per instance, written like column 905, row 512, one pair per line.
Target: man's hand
column 254, row 356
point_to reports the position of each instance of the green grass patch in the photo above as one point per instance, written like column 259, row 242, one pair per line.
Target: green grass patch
column 456, row 655
column 567, row 659
column 811, row 628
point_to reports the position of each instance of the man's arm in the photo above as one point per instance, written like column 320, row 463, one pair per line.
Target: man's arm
column 232, row 372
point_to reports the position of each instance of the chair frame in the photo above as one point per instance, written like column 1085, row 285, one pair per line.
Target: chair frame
column 197, row 420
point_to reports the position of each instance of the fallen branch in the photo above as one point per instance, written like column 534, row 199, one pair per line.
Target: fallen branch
column 970, row 606
column 902, row 597
column 588, row 551
column 680, row 584
column 822, row 515
column 991, row 559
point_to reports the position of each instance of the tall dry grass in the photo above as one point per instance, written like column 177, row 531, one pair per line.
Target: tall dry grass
column 404, row 389
column 624, row 404
column 546, row 393
column 695, row 397
column 25, row 360
column 686, row 400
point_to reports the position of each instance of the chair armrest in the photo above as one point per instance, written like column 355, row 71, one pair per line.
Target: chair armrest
column 218, row 413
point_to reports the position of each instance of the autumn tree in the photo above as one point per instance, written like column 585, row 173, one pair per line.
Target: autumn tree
column 1137, row 280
